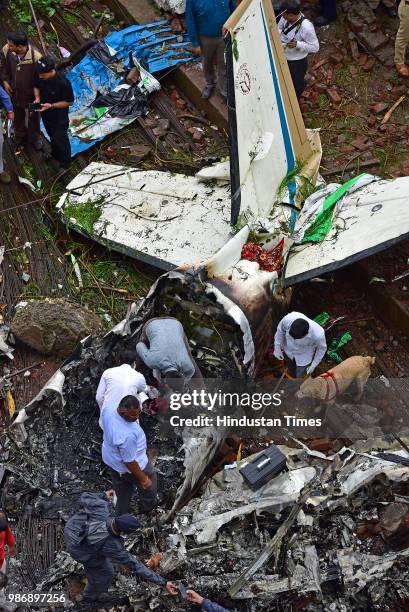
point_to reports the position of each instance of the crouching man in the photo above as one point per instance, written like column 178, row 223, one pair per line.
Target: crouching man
column 93, row 538
column 168, row 353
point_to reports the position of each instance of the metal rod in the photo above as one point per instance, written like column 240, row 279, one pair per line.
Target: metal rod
column 38, row 27
column 98, row 26
column 23, row 370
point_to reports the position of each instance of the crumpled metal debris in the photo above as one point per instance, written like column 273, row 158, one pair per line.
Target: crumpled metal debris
column 226, row 497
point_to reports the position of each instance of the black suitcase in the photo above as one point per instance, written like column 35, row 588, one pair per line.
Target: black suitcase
column 267, row 465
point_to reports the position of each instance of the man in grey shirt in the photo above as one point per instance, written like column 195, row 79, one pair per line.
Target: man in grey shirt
column 168, row 355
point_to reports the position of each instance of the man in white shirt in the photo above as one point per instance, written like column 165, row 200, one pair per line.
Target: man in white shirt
column 300, row 341
column 120, row 381
column 298, row 38
column 124, row 452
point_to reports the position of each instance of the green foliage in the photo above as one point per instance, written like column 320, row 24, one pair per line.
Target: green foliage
column 21, row 10
column 235, row 49
column 70, row 18
column 241, row 222
column 110, row 283
column 289, row 178
column 86, row 214
column 307, row 188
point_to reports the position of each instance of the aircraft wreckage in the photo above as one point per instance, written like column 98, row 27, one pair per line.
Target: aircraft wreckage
column 329, row 533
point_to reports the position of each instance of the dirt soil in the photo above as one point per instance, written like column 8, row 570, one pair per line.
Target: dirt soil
column 339, row 296
column 347, row 99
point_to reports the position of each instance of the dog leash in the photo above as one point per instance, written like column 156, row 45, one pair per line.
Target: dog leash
column 332, row 376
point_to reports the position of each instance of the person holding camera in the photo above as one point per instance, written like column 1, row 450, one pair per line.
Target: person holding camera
column 53, row 95
column 299, row 39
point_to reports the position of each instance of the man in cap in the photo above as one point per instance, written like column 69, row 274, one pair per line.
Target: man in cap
column 93, row 538
column 124, row 452
column 53, row 91
column 300, row 341
column 6, row 539
column 17, row 73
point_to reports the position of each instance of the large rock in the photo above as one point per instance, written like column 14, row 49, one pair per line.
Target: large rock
column 53, row 326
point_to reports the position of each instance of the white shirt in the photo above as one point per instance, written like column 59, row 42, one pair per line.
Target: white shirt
column 304, row 35
column 308, row 350
column 117, row 383
column 123, row 442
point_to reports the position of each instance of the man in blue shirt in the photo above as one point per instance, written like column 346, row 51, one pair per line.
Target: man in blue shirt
column 124, row 451
column 204, row 23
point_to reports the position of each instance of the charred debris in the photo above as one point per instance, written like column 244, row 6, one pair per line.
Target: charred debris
column 329, row 533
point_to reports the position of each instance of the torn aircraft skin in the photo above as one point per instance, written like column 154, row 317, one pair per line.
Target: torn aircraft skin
column 172, row 220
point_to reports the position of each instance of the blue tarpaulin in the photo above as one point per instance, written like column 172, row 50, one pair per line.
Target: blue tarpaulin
column 155, row 45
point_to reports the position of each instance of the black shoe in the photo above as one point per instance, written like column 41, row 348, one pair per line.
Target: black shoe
column 322, row 21
column 391, row 11
column 103, row 598
column 207, row 92
column 106, row 599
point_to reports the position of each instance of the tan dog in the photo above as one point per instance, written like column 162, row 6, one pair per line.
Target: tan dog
column 337, row 380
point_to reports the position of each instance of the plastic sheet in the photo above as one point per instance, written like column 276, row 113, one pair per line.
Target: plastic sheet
column 102, row 71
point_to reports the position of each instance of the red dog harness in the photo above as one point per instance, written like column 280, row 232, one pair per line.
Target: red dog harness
column 330, row 375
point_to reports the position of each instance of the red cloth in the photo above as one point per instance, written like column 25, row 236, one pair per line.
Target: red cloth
column 158, row 406
column 6, row 538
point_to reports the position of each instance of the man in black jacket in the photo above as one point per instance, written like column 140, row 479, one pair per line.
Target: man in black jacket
column 92, row 537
